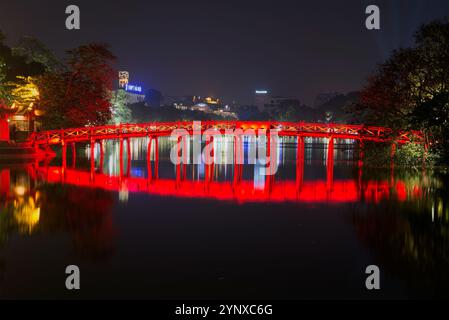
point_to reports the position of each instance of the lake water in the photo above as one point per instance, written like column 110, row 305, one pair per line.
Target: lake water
column 222, row 231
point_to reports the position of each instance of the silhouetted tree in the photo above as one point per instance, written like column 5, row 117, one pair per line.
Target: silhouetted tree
column 409, row 90
column 81, row 95
column 120, row 111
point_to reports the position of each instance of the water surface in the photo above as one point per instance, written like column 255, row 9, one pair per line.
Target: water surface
column 221, row 231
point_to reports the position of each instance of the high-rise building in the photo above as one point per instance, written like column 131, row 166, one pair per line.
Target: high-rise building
column 134, row 93
column 123, row 78
column 262, row 98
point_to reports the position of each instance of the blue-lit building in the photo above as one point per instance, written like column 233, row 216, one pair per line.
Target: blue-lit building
column 134, row 93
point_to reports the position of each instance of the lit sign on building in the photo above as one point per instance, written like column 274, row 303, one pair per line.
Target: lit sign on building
column 133, row 88
column 261, row 91
column 123, row 78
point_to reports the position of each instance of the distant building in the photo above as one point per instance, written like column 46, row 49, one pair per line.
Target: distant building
column 134, row 93
column 323, row 98
column 132, row 98
column 261, row 99
column 201, row 106
column 123, row 78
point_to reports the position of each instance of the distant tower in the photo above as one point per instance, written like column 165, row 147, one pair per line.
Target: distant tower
column 262, row 98
column 123, row 78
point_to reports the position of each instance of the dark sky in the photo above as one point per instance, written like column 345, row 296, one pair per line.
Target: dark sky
column 230, row 48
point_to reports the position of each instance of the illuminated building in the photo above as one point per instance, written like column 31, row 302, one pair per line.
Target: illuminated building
column 123, row 78
column 262, row 98
column 134, row 93
column 23, row 112
column 204, row 107
column 213, row 101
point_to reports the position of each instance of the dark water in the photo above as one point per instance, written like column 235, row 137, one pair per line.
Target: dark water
column 212, row 232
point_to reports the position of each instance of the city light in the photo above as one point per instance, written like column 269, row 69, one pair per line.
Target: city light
column 133, row 88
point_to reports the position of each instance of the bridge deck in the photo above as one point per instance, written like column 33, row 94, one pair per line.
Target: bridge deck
column 337, row 131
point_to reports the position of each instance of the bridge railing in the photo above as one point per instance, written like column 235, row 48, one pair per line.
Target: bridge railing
column 343, row 131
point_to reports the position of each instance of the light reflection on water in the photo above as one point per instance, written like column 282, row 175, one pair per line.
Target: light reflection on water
column 182, row 232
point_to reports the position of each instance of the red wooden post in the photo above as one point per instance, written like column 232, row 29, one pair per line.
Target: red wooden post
column 121, row 155
column 128, row 154
column 73, row 154
column 101, row 155
column 330, row 163
column 4, row 128
column 150, row 139
column 64, row 153
column 92, row 154
column 156, row 159
column 299, row 162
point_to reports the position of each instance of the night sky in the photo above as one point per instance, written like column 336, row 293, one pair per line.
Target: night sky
column 230, row 48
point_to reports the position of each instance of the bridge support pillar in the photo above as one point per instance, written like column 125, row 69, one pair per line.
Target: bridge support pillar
column 150, row 139
column 156, row 157
column 179, row 159
column 361, row 156
column 121, row 156
column 238, row 158
column 92, row 156
column 128, row 157
column 299, row 162
column 186, row 156
column 361, row 150
column 64, row 153
column 73, row 154
column 330, row 163
column 101, row 144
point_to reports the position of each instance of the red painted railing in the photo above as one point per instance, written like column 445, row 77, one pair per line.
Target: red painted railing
column 337, row 131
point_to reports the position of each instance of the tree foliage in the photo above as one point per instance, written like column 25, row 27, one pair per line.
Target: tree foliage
column 411, row 89
column 120, row 111
column 14, row 72
column 79, row 96
column 33, row 50
column 409, row 77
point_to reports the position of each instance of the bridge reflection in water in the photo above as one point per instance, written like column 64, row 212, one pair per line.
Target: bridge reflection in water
column 240, row 189
column 286, row 222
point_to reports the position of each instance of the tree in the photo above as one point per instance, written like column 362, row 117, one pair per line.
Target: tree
column 432, row 116
column 5, row 95
column 52, row 88
column 15, row 71
column 79, row 96
column 411, row 89
column 90, row 84
column 32, row 50
column 389, row 92
column 409, row 77
column 25, row 92
column 120, row 111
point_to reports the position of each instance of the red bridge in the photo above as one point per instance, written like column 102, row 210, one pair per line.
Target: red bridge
column 156, row 129
column 92, row 135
